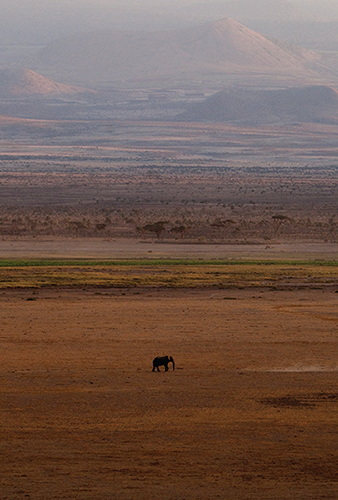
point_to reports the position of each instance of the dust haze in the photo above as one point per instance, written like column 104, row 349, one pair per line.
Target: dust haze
column 40, row 21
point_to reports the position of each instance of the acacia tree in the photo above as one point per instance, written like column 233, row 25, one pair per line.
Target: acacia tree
column 278, row 220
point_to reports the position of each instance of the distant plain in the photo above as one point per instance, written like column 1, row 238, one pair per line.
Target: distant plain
column 169, row 182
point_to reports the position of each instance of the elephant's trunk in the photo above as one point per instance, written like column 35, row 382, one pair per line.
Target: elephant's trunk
column 173, row 362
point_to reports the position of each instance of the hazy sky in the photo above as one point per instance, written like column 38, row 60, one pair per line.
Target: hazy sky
column 140, row 3
column 30, row 22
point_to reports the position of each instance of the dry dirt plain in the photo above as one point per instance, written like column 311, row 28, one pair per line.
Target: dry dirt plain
column 251, row 409
column 249, row 413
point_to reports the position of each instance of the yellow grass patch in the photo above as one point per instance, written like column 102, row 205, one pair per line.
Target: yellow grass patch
column 168, row 275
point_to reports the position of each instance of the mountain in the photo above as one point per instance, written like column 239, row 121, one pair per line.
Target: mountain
column 319, row 36
column 36, row 23
column 317, row 103
column 223, row 47
column 24, row 82
column 313, row 25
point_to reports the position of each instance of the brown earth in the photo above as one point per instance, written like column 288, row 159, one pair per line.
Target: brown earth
column 249, row 413
column 251, row 409
column 129, row 248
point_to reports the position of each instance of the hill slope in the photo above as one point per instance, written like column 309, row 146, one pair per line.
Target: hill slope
column 312, row 25
column 24, row 82
column 318, row 103
column 216, row 48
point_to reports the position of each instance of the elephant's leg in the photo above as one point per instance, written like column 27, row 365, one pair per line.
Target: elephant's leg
column 166, row 367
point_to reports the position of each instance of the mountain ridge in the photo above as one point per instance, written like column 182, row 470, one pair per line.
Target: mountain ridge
column 313, row 103
column 219, row 47
column 23, row 82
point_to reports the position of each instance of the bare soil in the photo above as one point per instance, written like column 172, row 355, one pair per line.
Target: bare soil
column 119, row 248
column 251, row 409
column 249, row 413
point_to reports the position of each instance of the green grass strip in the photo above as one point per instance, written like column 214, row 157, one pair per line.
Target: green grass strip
column 159, row 262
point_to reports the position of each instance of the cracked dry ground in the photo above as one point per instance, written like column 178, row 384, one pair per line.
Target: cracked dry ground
column 249, row 413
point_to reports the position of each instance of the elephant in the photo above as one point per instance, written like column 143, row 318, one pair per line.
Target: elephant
column 163, row 361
